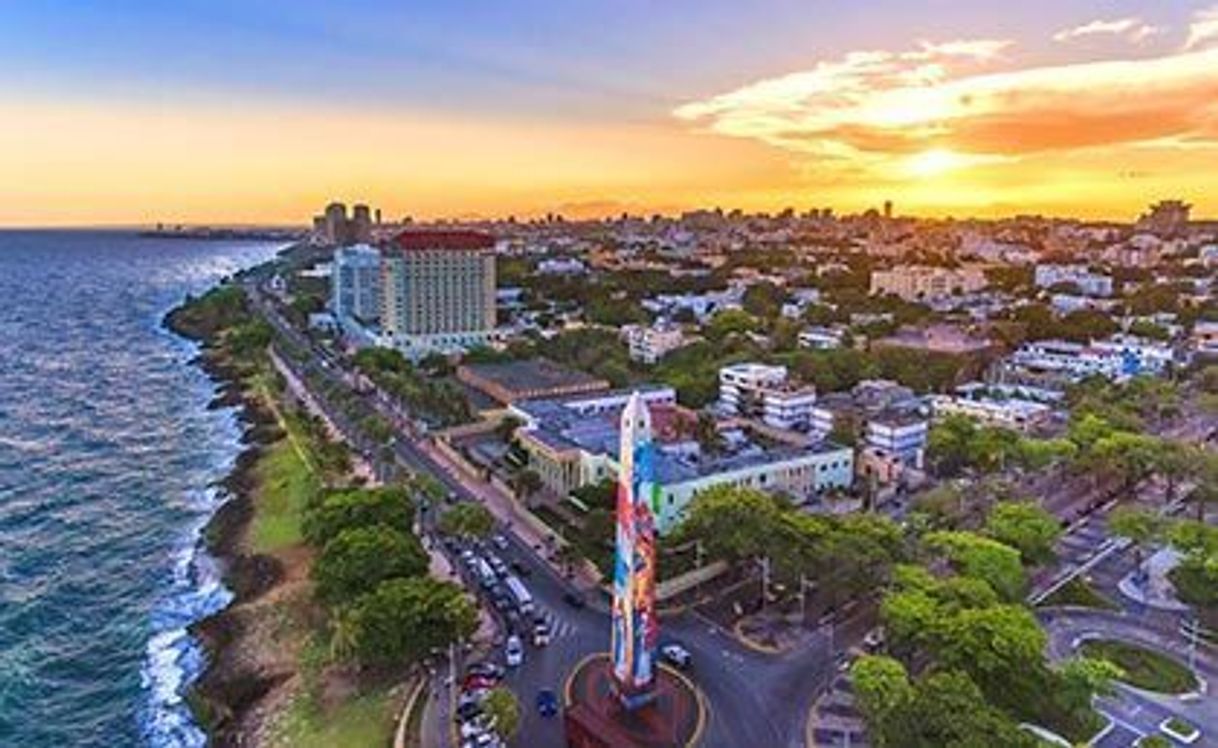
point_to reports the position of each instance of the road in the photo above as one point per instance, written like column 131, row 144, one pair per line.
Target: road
column 753, row 698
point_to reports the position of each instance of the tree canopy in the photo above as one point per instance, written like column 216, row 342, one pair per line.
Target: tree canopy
column 467, row 519
column 358, row 559
column 342, row 510
column 403, row 619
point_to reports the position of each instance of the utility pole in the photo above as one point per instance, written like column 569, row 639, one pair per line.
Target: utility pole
column 765, row 578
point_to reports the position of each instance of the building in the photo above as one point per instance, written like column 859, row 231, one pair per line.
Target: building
column 360, row 228
column 649, row 344
column 821, row 338
column 1204, row 338
column 1117, row 358
column 575, row 442
column 1007, row 412
column 561, row 266
column 922, row 283
column 355, row 284
column 1088, row 283
column 763, row 392
column 438, row 291
column 335, row 229
column 898, row 434
column 510, row 381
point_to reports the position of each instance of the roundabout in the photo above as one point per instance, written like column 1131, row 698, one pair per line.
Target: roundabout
column 674, row 716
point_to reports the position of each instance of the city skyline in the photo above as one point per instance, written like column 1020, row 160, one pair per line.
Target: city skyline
column 133, row 114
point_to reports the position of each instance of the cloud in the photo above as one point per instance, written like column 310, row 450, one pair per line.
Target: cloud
column 880, row 109
column 1133, row 29
column 1204, row 28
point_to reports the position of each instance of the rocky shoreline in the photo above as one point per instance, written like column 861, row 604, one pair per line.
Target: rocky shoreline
column 233, row 683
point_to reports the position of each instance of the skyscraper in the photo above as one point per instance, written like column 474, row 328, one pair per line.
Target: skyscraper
column 336, row 224
column 361, row 224
column 635, row 629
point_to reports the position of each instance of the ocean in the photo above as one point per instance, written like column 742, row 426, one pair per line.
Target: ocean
column 108, row 455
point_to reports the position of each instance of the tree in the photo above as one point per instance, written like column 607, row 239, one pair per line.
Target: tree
column 732, row 523
column 501, row 704
column 983, row 558
column 1140, row 526
column 1026, row 527
column 730, row 322
column 389, row 506
column 526, row 483
column 402, row 620
column 763, row 300
column 885, row 695
column 358, row 559
column 467, row 519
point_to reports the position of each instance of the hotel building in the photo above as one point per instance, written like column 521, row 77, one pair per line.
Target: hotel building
column 438, row 291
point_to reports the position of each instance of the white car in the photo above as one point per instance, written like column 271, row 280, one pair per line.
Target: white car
column 513, row 651
column 677, row 656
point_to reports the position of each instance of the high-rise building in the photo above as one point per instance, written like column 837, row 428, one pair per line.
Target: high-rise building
column 355, row 280
column 438, row 291
column 361, row 224
column 336, row 224
column 635, row 628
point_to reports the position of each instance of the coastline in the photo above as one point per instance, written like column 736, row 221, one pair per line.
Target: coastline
column 231, row 684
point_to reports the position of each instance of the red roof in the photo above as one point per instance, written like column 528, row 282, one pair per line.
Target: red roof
column 454, row 239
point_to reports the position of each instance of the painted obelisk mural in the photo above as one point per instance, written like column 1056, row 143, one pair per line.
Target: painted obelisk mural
column 635, row 628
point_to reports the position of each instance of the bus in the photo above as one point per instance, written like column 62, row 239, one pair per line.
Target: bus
column 524, row 601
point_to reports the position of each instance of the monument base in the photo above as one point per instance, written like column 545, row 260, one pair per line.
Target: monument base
column 671, row 713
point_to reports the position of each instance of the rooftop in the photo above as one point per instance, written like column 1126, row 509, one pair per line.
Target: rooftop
column 533, row 375
column 416, row 240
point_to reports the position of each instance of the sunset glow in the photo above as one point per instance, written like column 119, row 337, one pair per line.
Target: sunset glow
column 1057, row 112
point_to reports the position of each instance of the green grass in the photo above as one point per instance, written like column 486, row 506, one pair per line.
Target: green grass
column 286, row 485
column 363, row 721
column 1078, row 593
column 1144, row 668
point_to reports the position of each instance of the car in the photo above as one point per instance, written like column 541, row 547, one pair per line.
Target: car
column 547, row 702
column 479, row 724
column 520, row 569
column 477, row 683
column 574, row 599
column 467, row 709
column 497, row 564
column 677, row 656
column 500, row 542
column 467, row 556
column 513, row 651
column 485, row 669
column 541, row 633
column 874, row 640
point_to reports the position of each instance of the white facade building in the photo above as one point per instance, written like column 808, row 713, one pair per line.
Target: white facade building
column 761, row 391
column 650, row 344
column 355, row 284
column 1011, row 413
column 1089, row 283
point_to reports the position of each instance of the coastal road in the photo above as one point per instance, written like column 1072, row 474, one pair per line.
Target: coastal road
column 753, row 698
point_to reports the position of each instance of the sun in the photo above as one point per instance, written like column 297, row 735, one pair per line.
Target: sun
column 933, row 163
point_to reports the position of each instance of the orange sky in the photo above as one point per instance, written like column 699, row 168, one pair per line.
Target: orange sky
column 963, row 127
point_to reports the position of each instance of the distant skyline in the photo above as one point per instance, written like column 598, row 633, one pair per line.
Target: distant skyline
column 216, row 111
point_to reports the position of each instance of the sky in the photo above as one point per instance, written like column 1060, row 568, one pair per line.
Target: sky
column 212, row 111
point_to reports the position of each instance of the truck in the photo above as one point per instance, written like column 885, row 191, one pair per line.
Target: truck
column 520, row 593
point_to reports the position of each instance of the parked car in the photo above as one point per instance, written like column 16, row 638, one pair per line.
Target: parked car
column 513, row 651
column 467, row 710
column 574, row 599
column 677, row 656
column 547, row 702
column 520, row 569
column 500, row 542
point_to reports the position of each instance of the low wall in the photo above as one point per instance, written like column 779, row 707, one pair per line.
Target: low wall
column 690, row 579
